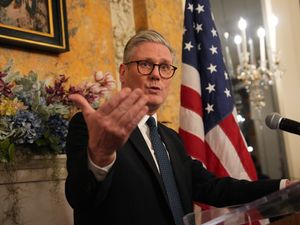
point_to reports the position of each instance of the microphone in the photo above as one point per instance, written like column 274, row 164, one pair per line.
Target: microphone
column 276, row 121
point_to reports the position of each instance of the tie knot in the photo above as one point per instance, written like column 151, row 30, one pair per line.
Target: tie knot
column 151, row 122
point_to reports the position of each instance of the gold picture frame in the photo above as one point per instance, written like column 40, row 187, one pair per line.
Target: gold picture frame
column 35, row 24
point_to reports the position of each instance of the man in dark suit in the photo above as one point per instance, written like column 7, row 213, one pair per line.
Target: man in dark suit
column 114, row 175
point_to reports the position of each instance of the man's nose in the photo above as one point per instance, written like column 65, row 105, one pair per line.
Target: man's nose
column 155, row 72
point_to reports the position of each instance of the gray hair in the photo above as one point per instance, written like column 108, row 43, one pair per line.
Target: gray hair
column 145, row 36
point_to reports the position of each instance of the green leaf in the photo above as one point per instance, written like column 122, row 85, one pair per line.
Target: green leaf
column 7, row 150
column 11, row 152
column 41, row 142
column 53, row 140
column 60, row 109
column 5, row 144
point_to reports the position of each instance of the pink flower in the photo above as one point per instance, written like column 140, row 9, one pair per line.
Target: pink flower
column 110, row 82
column 2, row 85
column 5, row 88
column 105, row 80
column 98, row 76
column 7, row 91
column 95, row 88
column 2, row 74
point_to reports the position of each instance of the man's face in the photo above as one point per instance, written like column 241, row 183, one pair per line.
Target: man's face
column 155, row 87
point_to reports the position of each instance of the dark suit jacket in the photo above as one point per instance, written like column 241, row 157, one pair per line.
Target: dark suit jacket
column 133, row 193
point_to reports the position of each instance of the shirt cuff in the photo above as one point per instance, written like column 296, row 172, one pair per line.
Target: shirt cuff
column 99, row 172
column 282, row 184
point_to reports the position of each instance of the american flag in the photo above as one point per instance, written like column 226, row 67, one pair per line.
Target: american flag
column 208, row 124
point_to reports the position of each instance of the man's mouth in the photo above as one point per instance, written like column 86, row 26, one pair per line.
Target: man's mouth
column 153, row 89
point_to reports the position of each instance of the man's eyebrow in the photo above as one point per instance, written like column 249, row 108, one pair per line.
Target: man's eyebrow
column 166, row 61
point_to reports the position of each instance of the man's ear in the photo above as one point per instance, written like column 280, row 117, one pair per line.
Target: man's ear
column 122, row 69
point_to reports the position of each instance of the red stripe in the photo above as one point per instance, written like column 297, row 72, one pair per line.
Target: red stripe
column 191, row 100
column 198, row 149
column 214, row 164
column 232, row 130
column 193, row 145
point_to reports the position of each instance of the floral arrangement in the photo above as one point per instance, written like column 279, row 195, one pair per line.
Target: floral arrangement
column 34, row 114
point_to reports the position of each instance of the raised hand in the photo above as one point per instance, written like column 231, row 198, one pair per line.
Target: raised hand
column 111, row 124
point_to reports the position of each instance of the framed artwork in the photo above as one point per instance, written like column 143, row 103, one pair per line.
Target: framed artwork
column 37, row 24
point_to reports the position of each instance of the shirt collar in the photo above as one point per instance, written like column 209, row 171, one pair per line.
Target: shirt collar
column 145, row 118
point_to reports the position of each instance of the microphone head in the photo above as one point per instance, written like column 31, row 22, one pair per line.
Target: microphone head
column 273, row 120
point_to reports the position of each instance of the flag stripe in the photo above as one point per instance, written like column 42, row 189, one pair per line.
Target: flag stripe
column 229, row 158
column 191, row 122
column 209, row 158
column 193, row 144
column 191, row 100
column 234, row 134
column 191, row 77
column 214, row 163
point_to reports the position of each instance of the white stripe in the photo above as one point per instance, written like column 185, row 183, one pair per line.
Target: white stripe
column 191, row 122
column 191, row 78
column 234, row 113
column 225, row 151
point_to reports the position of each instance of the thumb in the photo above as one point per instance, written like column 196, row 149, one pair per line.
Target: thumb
column 81, row 103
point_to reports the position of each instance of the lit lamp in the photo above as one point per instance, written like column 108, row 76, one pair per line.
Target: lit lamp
column 228, row 60
column 274, row 23
column 255, row 77
column 261, row 35
column 251, row 49
column 238, row 41
column 274, row 61
column 242, row 24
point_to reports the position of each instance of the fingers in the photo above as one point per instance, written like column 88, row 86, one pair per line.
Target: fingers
column 136, row 110
column 124, row 111
column 135, row 119
column 81, row 103
column 130, row 106
column 111, row 124
column 122, row 108
column 115, row 101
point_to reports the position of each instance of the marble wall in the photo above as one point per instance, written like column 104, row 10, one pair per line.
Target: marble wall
column 32, row 192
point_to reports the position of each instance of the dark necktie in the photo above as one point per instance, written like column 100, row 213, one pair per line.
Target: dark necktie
column 166, row 172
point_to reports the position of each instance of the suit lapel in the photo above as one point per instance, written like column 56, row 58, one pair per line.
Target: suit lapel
column 136, row 138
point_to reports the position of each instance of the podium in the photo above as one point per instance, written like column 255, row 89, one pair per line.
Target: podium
column 284, row 203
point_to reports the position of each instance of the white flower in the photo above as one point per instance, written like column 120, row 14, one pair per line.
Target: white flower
column 99, row 76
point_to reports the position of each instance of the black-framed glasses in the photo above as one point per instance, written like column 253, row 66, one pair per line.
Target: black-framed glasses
column 166, row 71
